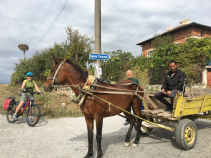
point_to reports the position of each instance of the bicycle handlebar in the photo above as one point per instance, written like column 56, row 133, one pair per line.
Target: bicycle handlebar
column 30, row 93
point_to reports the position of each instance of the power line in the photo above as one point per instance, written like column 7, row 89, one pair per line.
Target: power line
column 180, row 7
column 51, row 25
column 42, row 21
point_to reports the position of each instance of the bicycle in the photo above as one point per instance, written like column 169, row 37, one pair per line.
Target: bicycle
column 33, row 112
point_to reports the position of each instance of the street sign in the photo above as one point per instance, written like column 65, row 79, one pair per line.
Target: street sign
column 99, row 56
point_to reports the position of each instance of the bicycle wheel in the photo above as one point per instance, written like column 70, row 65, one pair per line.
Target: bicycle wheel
column 33, row 115
column 10, row 114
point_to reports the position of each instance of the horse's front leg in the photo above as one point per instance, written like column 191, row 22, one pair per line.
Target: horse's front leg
column 90, row 127
column 99, row 126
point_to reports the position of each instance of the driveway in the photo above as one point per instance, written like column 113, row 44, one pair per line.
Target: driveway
column 67, row 137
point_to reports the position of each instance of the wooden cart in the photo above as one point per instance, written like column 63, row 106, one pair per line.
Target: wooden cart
column 185, row 111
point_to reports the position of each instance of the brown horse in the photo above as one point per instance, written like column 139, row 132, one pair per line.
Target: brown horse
column 93, row 108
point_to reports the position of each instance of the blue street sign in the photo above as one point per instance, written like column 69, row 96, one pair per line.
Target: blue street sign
column 99, row 56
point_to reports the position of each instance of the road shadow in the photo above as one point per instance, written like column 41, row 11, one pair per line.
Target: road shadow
column 118, row 137
column 42, row 121
column 202, row 124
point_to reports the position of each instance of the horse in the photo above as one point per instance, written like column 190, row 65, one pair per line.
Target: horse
column 93, row 108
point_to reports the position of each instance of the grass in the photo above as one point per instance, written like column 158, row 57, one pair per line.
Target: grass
column 52, row 104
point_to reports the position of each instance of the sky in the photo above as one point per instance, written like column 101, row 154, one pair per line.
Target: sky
column 124, row 23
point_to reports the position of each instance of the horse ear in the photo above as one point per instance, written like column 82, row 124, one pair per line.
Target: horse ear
column 55, row 59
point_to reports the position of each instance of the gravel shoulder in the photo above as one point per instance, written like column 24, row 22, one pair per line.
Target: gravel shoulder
column 67, row 137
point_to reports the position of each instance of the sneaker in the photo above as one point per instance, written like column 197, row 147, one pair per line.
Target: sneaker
column 14, row 117
column 126, row 123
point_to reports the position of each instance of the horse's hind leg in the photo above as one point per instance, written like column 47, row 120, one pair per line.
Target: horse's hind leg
column 132, row 122
column 136, row 141
column 137, row 108
column 90, row 128
column 99, row 125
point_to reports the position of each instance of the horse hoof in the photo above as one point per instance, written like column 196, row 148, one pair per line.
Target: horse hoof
column 135, row 145
column 127, row 144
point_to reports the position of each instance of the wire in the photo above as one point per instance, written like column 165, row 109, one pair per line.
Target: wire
column 41, row 22
column 180, row 7
column 51, row 25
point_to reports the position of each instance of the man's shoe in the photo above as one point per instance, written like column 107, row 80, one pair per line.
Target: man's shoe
column 169, row 108
column 126, row 123
column 14, row 117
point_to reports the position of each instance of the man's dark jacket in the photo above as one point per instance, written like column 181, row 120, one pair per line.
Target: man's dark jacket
column 174, row 82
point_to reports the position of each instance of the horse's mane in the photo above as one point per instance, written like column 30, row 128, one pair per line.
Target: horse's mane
column 84, row 74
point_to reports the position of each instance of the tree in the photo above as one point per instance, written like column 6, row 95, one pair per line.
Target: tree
column 79, row 46
column 192, row 57
column 116, row 66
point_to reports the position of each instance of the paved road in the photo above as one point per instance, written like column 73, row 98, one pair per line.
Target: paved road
column 67, row 137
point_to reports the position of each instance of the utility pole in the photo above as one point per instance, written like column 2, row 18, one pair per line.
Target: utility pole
column 98, row 68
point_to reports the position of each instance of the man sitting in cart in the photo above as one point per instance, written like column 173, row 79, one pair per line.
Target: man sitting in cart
column 173, row 84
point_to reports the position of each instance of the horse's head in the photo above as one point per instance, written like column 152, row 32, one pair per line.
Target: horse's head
column 56, row 76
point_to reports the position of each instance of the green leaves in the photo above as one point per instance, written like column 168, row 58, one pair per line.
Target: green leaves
column 78, row 46
column 117, row 65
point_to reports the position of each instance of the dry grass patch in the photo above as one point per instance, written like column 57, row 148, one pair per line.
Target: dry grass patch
column 52, row 104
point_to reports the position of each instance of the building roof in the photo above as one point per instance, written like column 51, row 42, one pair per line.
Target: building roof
column 176, row 29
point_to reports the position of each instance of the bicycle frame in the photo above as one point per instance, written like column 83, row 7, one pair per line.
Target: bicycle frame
column 28, row 103
column 30, row 100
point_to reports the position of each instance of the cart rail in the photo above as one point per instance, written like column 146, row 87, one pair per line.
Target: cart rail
column 183, row 107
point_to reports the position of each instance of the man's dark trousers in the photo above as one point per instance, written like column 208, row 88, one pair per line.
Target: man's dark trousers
column 159, row 96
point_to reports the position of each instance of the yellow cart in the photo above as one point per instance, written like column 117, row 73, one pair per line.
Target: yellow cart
column 181, row 120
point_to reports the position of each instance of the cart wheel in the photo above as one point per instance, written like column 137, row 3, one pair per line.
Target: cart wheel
column 186, row 134
column 145, row 130
column 145, row 126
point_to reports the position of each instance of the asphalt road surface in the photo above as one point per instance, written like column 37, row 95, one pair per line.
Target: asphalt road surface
column 67, row 137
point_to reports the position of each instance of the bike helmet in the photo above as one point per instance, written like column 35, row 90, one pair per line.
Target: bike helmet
column 29, row 74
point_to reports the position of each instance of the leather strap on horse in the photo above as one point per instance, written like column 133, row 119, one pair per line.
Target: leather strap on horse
column 117, row 92
column 114, row 88
column 54, row 77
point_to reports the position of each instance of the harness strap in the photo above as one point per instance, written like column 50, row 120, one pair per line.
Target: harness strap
column 113, row 87
column 113, row 92
column 54, row 77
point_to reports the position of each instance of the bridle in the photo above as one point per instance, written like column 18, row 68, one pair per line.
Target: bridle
column 54, row 77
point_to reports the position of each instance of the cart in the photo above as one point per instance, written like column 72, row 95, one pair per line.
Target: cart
column 181, row 121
